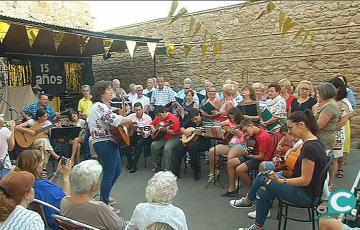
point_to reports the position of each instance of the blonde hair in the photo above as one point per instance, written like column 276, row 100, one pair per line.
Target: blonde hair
column 285, row 82
column 229, row 89
column 311, row 92
column 258, row 85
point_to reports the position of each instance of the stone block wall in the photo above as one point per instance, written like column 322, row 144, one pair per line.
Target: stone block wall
column 252, row 50
column 63, row 13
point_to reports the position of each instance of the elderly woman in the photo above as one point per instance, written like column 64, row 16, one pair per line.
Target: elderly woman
column 160, row 192
column 32, row 162
column 285, row 86
column 85, row 181
column 275, row 113
column 211, row 99
column 260, row 92
column 327, row 116
column 16, row 193
column 304, row 100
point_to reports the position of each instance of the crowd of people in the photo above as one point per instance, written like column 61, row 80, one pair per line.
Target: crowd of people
column 261, row 128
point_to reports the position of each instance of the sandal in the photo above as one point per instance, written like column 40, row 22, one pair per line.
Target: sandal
column 340, row 173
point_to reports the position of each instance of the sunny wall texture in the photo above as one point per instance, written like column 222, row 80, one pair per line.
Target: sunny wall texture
column 252, row 50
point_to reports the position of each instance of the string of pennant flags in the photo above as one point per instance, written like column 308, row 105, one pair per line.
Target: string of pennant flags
column 33, row 32
column 209, row 40
column 286, row 23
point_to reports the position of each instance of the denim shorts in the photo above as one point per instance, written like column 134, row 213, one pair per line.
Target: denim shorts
column 269, row 165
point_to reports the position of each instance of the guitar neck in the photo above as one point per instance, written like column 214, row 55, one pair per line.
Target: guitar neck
column 44, row 129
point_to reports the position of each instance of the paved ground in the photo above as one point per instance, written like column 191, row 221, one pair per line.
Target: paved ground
column 204, row 208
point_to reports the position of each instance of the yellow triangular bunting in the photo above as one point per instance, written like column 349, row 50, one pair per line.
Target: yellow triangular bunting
column 300, row 31
column 4, row 27
column 281, row 20
column 107, row 42
column 58, row 36
column 170, row 49
column 204, row 49
column 191, row 24
column 32, row 33
column 83, row 41
column 288, row 24
column 218, row 47
column 188, row 48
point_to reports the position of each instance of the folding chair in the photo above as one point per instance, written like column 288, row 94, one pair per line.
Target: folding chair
column 38, row 206
column 66, row 223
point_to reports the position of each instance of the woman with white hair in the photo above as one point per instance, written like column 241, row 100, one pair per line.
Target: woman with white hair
column 85, row 181
column 160, row 192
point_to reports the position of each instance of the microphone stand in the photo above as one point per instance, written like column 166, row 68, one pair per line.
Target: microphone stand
column 11, row 109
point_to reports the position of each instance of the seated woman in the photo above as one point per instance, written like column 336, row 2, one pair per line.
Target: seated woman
column 76, row 143
column 32, row 162
column 235, row 146
column 303, row 185
column 16, row 193
column 40, row 120
column 160, row 192
column 229, row 92
column 85, row 181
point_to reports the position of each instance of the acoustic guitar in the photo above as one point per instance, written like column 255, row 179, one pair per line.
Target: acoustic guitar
column 289, row 165
column 122, row 134
column 195, row 133
column 25, row 140
column 228, row 133
column 158, row 133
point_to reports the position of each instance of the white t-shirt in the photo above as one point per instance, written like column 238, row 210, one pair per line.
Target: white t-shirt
column 80, row 123
column 148, row 213
column 144, row 100
column 5, row 134
column 23, row 219
column 32, row 122
column 142, row 122
column 100, row 120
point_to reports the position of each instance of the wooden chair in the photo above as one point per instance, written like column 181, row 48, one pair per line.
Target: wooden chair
column 66, row 223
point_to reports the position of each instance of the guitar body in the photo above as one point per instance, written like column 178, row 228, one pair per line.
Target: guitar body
column 121, row 134
column 289, row 165
column 189, row 139
column 157, row 134
column 25, row 140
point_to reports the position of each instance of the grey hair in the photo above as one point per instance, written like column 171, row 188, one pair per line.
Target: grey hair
column 84, row 175
column 327, row 90
column 305, row 82
column 139, row 87
column 187, row 81
column 161, row 188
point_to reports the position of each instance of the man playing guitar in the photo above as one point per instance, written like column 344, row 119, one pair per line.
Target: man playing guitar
column 170, row 139
column 41, row 120
column 141, row 137
column 194, row 148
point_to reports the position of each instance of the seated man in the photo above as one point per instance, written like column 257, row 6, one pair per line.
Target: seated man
column 42, row 104
column 141, row 137
column 194, row 148
column 167, row 124
column 40, row 120
column 264, row 148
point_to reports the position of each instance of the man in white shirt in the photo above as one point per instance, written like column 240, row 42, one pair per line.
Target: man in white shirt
column 132, row 94
column 144, row 100
column 141, row 137
column 7, row 143
column 150, row 86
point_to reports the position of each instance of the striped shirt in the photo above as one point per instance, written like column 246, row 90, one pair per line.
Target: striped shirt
column 162, row 96
column 22, row 219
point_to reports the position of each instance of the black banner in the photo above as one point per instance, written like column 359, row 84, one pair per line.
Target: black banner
column 49, row 74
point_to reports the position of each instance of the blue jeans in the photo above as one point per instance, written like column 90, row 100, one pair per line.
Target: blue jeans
column 289, row 193
column 109, row 158
column 4, row 172
column 86, row 147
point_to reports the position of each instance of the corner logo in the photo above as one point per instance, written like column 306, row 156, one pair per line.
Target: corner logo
column 341, row 201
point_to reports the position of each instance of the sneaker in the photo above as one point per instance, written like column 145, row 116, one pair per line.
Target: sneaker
column 252, row 227
column 212, row 176
column 230, row 194
column 252, row 215
column 240, row 203
column 115, row 210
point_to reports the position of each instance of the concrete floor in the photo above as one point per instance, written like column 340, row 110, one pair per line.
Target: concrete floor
column 204, row 208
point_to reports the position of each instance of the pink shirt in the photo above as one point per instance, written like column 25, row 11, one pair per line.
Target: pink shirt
column 235, row 139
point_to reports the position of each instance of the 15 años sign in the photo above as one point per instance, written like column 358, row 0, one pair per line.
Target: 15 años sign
column 49, row 74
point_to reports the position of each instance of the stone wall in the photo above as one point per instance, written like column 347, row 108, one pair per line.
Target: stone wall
column 252, row 50
column 64, row 13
